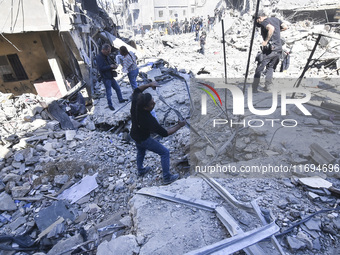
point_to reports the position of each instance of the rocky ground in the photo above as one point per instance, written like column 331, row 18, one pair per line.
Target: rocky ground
column 40, row 161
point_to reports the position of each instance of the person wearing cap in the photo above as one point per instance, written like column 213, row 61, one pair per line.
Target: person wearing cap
column 271, row 28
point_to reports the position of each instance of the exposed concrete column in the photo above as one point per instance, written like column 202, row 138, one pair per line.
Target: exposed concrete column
column 54, row 62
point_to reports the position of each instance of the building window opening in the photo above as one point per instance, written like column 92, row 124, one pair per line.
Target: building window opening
column 160, row 14
column 11, row 68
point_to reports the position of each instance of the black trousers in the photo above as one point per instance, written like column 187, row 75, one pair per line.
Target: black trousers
column 269, row 62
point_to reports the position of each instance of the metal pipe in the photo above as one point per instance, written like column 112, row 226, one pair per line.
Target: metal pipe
column 224, row 54
column 251, row 45
column 298, row 82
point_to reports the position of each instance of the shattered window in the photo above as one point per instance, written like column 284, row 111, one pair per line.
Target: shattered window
column 11, row 68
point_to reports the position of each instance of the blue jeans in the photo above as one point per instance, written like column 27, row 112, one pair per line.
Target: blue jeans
column 154, row 146
column 108, row 83
column 133, row 78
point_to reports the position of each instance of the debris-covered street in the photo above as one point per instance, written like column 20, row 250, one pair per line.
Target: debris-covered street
column 258, row 172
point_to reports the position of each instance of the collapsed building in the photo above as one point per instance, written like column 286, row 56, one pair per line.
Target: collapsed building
column 68, row 189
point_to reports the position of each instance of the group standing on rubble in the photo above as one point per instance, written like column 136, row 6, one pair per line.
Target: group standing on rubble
column 144, row 121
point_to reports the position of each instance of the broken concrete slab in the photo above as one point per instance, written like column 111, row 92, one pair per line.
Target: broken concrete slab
column 66, row 244
column 320, row 155
column 6, row 202
column 80, row 189
column 176, row 221
column 123, row 245
column 49, row 215
column 313, row 224
column 295, row 244
column 315, row 182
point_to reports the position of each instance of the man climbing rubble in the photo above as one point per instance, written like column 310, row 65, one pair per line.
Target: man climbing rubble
column 271, row 28
column 143, row 123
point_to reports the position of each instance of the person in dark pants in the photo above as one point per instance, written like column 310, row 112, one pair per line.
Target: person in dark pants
column 105, row 69
column 197, row 32
column 202, row 42
column 271, row 28
column 143, row 124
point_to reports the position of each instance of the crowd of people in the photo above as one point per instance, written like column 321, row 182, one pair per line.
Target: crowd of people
column 188, row 26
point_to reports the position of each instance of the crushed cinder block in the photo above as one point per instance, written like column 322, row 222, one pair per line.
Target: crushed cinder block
column 70, row 134
column 53, row 125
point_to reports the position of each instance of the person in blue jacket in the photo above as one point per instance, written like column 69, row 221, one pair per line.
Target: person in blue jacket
column 106, row 69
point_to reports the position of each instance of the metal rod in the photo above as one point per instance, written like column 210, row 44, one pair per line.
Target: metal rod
column 308, row 61
column 224, row 54
column 178, row 198
column 226, row 195
column 239, row 241
column 251, row 45
column 298, row 82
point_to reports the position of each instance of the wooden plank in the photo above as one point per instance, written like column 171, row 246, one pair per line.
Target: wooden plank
column 49, row 229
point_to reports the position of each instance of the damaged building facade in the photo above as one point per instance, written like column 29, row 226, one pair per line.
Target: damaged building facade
column 49, row 53
column 148, row 13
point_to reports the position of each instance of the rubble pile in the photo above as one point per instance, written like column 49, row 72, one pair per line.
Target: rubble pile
column 42, row 166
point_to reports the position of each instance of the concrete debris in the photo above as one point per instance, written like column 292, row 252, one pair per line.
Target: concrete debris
column 80, row 189
column 315, row 182
column 123, row 245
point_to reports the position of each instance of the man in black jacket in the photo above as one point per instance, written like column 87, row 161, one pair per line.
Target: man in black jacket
column 105, row 69
column 143, row 124
column 271, row 48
